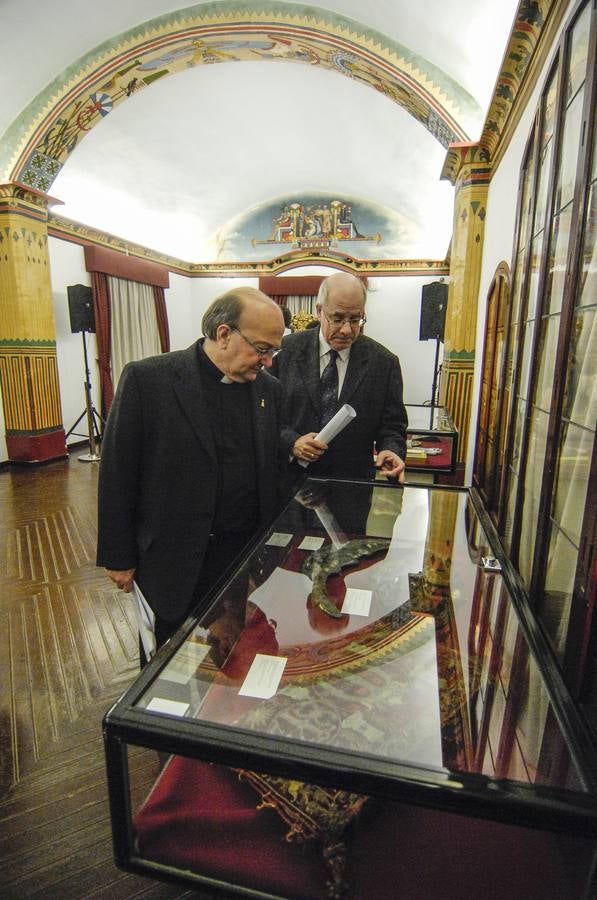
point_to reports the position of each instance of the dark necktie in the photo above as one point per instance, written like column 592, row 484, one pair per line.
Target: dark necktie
column 329, row 389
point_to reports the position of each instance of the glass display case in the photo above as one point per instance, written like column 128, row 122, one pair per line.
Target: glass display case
column 432, row 439
column 364, row 708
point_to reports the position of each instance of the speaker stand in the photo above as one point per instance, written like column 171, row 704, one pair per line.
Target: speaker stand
column 435, row 374
column 91, row 413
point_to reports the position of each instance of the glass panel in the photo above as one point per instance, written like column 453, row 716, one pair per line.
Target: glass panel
column 588, row 278
column 342, row 635
column 520, row 411
column 526, row 204
column 547, row 356
column 557, row 264
column 518, row 279
column 594, row 168
column 539, row 222
column 532, row 491
column 572, row 478
column 509, row 524
column 526, row 358
column 559, row 583
column 580, row 397
column 569, row 152
column 535, row 270
column 579, row 51
column 549, row 109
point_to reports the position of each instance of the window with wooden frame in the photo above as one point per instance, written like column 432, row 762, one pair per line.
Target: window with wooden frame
column 493, row 397
column 543, row 498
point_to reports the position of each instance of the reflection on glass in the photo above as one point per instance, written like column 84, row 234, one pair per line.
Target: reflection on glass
column 588, row 279
column 526, row 201
column 579, row 51
column 363, row 623
column 572, row 478
column 534, row 272
column 545, row 161
column 559, row 583
column 549, row 109
column 515, row 458
column 569, row 152
column 558, row 258
column 547, row 357
column 532, row 491
column 516, row 292
column 523, row 384
column 509, row 523
column 580, row 397
column 531, row 721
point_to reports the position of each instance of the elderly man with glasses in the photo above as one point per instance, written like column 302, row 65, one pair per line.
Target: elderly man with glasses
column 189, row 458
column 320, row 370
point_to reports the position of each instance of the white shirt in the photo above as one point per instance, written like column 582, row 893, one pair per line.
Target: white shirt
column 341, row 360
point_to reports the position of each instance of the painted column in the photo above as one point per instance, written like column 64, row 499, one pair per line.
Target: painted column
column 466, row 167
column 28, row 365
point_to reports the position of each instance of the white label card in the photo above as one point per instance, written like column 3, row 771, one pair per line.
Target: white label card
column 172, row 707
column 311, row 543
column 278, row 539
column 357, row 602
column 263, row 677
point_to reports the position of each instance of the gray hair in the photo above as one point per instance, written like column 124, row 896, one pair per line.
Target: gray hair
column 322, row 294
column 224, row 310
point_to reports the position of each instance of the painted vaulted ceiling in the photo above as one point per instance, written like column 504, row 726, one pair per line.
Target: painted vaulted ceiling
column 226, row 130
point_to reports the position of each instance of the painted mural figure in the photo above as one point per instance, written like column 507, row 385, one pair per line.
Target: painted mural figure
column 328, row 222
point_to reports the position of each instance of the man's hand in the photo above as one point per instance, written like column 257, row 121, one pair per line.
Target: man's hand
column 122, row 578
column 307, row 448
column 390, row 464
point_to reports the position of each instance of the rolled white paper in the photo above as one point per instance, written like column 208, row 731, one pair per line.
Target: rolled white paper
column 344, row 415
column 325, row 516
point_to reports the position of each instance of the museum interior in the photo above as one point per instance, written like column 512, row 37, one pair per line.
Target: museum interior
column 392, row 694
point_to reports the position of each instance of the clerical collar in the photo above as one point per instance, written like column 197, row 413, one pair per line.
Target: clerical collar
column 324, row 348
column 209, row 367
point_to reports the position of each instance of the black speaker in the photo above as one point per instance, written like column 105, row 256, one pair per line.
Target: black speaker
column 434, row 302
column 80, row 308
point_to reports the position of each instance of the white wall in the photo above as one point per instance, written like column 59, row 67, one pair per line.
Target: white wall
column 181, row 318
column 393, row 318
column 499, row 228
column 67, row 267
column 204, row 290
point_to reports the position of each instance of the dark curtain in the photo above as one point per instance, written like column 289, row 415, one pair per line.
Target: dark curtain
column 101, row 310
column 162, row 317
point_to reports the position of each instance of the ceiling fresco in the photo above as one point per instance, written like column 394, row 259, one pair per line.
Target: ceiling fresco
column 134, row 124
column 226, row 31
column 315, row 222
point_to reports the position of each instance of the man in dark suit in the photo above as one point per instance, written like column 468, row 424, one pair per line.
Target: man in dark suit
column 189, row 458
column 367, row 376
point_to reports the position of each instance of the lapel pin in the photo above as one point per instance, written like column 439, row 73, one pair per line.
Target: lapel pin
column 263, row 402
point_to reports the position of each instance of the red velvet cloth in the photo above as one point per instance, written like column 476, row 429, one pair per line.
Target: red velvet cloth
column 201, row 817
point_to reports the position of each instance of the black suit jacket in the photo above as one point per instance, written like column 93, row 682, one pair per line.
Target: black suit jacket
column 372, row 386
column 158, row 475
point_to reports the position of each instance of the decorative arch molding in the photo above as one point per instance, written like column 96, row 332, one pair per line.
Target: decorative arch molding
column 38, row 143
column 86, row 235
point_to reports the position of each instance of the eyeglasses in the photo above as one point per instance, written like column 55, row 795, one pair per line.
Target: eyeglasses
column 339, row 320
column 262, row 352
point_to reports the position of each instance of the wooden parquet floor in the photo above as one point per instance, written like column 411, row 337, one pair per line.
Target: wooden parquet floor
column 68, row 648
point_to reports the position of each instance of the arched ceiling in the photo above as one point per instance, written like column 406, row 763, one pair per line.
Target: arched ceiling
column 127, row 114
